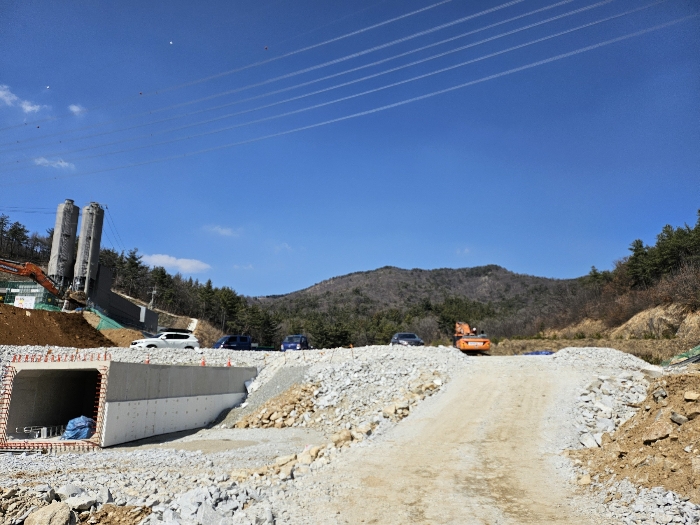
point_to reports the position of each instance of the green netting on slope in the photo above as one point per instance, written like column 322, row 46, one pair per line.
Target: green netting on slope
column 105, row 322
column 682, row 357
column 49, row 307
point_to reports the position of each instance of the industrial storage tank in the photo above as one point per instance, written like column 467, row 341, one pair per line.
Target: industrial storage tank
column 88, row 256
column 63, row 245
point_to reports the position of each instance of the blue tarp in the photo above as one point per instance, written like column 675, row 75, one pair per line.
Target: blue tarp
column 79, row 428
column 539, row 352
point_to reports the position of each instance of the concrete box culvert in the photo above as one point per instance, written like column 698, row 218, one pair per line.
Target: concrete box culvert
column 129, row 401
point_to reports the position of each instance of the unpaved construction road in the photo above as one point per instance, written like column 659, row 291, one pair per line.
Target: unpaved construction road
column 484, row 451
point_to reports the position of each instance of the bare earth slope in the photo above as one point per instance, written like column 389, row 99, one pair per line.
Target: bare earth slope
column 484, row 451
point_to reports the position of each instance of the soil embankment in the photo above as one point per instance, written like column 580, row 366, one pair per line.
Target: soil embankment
column 659, row 445
column 40, row 327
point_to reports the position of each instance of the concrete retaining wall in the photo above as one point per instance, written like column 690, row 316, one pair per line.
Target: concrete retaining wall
column 139, row 400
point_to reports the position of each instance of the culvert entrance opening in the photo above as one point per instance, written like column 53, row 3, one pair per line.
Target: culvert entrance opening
column 44, row 401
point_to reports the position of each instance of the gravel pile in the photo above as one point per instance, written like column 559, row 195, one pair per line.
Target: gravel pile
column 626, row 502
column 600, row 358
column 357, row 388
column 357, row 395
column 606, row 403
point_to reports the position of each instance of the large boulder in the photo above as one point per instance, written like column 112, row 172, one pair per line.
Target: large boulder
column 80, row 502
column 68, row 491
column 54, row 514
column 659, row 430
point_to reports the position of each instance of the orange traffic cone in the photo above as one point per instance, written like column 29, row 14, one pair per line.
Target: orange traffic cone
column 203, row 363
column 148, row 359
column 228, row 363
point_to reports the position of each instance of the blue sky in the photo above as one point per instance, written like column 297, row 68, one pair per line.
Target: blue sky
column 547, row 170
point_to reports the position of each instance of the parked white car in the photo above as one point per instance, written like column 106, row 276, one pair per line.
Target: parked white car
column 167, row 340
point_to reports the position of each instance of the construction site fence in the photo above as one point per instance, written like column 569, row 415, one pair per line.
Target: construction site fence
column 50, row 357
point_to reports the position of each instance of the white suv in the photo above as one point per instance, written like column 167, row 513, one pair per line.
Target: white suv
column 167, row 340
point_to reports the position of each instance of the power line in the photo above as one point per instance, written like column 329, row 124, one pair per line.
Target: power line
column 373, row 110
column 114, row 226
column 308, row 69
column 370, row 91
column 358, row 68
column 259, row 63
column 25, row 212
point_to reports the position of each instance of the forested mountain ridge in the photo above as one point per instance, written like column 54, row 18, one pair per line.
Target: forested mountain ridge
column 391, row 287
column 367, row 307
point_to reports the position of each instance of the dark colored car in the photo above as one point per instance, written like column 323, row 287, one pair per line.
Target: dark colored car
column 295, row 342
column 235, row 342
column 406, row 339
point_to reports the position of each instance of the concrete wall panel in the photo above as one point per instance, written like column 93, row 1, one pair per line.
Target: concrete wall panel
column 132, row 420
column 141, row 400
column 131, row 381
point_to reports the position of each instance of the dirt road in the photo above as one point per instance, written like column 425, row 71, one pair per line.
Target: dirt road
column 482, row 452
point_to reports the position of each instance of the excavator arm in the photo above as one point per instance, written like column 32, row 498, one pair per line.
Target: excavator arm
column 32, row 271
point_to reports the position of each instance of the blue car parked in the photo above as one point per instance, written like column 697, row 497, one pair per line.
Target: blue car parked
column 295, row 342
column 235, row 342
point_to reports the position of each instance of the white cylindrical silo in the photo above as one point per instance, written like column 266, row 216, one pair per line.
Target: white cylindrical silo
column 88, row 256
column 63, row 244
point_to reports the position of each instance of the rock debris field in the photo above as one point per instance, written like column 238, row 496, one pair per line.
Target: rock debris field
column 392, row 435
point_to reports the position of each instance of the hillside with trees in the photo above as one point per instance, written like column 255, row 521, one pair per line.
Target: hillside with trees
column 368, row 307
column 18, row 243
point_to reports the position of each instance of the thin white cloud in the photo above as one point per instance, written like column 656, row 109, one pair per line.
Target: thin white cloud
column 284, row 247
column 242, row 267
column 8, row 98
column 28, row 107
column 224, row 231
column 173, row 263
column 58, row 163
column 76, row 109
column 463, row 251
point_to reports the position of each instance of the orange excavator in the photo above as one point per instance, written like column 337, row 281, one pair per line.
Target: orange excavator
column 35, row 273
column 467, row 340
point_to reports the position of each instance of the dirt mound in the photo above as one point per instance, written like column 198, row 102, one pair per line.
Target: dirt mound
column 40, row 327
column 122, row 336
column 660, row 445
column 92, row 319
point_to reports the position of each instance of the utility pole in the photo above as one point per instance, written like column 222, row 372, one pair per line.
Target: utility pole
column 153, row 297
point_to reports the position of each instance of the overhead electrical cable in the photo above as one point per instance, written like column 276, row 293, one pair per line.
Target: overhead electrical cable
column 313, row 81
column 369, row 111
column 367, row 92
column 258, row 63
column 312, row 68
column 114, row 228
column 28, row 211
column 337, row 86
